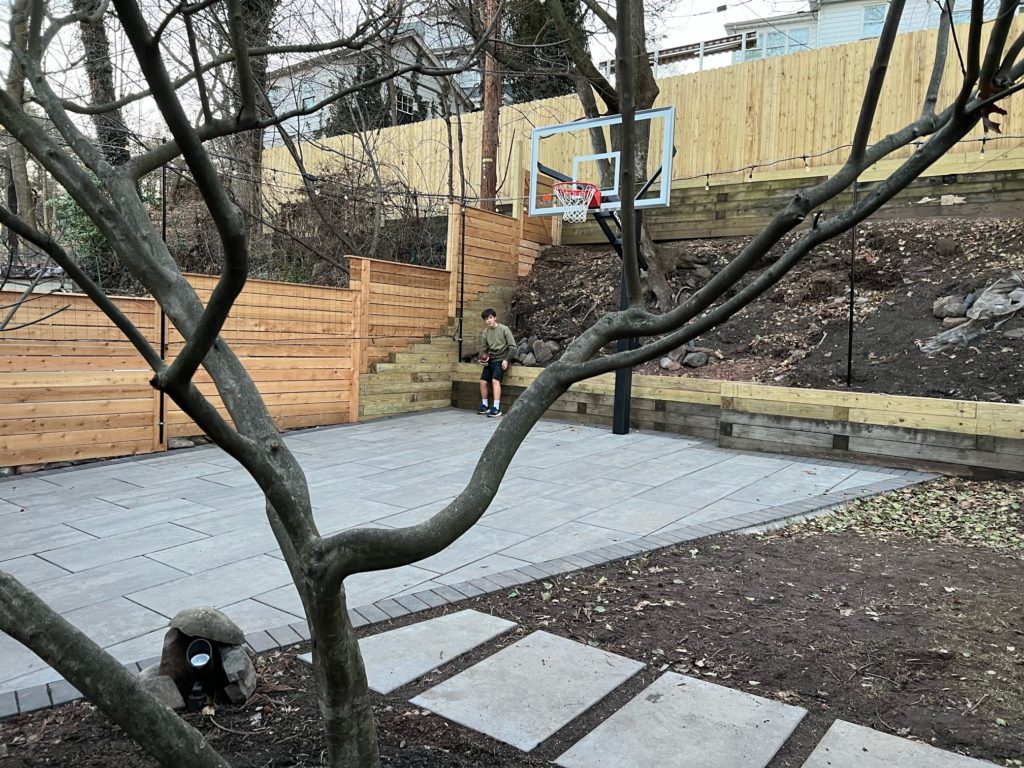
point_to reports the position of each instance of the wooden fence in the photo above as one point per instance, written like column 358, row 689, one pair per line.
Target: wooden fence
column 955, row 435
column 784, row 108
column 70, row 386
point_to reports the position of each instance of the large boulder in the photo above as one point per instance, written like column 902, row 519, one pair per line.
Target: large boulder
column 541, row 352
column 695, row 359
column 209, row 623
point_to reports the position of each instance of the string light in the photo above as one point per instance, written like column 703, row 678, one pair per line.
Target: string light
column 707, row 180
column 750, row 176
column 807, row 165
column 983, row 140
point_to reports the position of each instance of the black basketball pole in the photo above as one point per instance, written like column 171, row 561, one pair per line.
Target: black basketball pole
column 624, row 376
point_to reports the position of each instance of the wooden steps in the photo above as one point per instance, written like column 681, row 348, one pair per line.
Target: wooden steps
column 417, row 378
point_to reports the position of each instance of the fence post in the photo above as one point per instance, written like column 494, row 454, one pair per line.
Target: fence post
column 359, row 282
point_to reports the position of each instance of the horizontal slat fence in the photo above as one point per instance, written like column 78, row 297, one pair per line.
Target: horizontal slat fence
column 404, row 303
column 955, row 435
column 784, row 108
column 70, row 386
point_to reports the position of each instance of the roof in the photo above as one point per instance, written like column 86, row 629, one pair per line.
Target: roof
column 407, row 35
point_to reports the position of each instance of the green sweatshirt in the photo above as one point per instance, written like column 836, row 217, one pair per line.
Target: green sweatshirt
column 498, row 342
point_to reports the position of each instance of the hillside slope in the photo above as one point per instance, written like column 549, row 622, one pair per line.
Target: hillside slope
column 796, row 335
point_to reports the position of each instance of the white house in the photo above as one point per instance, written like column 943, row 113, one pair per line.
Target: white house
column 833, row 22
column 307, row 83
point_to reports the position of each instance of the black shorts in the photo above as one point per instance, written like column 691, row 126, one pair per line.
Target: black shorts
column 492, row 370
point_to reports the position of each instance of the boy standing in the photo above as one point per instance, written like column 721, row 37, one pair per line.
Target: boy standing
column 497, row 345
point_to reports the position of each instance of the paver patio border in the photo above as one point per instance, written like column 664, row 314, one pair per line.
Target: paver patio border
column 32, row 699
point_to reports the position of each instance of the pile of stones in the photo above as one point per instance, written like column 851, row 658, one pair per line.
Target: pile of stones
column 232, row 676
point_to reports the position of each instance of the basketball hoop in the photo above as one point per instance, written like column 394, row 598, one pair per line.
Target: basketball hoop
column 576, row 197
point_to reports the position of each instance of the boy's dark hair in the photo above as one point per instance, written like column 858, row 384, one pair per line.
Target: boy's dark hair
column 488, row 313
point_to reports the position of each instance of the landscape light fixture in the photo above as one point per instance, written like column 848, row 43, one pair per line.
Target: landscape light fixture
column 200, row 661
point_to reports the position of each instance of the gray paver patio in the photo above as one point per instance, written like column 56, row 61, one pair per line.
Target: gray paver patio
column 679, row 721
column 526, row 692
column 853, row 746
column 399, row 656
column 166, row 531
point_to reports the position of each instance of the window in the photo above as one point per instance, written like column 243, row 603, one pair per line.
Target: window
column 874, row 18
column 779, row 42
column 308, row 96
column 775, row 44
column 406, row 107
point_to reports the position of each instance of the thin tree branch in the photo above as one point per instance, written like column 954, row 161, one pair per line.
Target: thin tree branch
column 879, row 69
column 997, row 38
column 939, row 63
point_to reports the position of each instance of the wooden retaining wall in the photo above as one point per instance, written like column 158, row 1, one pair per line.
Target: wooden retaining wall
column 399, row 304
column 744, row 208
column 497, row 250
column 952, row 435
column 70, row 386
column 296, row 341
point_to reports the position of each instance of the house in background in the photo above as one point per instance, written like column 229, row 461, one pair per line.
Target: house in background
column 833, row 22
column 406, row 99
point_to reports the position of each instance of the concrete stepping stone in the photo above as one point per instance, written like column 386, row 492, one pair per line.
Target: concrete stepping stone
column 399, row 656
column 853, row 746
column 679, row 722
column 526, row 692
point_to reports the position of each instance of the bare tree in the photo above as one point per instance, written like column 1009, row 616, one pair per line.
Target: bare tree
column 320, row 564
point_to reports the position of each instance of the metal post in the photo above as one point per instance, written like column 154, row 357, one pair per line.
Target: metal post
column 624, row 376
column 849, row 336
column 163, row 319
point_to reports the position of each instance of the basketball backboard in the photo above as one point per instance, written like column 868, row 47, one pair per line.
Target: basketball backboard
column 565, row 152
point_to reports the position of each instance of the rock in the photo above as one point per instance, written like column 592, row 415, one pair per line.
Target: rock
column 529, row 359
column 1015, row 333
column 209, row 623
column 953, row 322
column 172, row 659
column 695, row 359
column 179, row 442
column 531, row 341
column 946, row 247
column 948, row 306
column 522, row 350
column 668, row 364
column 6, row 471
column 554, row 347
column 541, row 352
column 702, row 272
column 679, row 353
column 27, row 469
column 161, row 687
column 240, row 672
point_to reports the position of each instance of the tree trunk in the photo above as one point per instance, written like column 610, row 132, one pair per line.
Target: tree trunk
column 16, row 88
column 491, row 107
column 349, row 729
column 247, row 180
column 111, row 131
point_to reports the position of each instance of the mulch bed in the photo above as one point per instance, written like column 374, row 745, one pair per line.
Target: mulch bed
column 915, row 637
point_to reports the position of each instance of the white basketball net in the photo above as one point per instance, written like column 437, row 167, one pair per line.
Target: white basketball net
column 575, row 197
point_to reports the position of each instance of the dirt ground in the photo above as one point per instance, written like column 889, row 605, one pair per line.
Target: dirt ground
column 797, row 334
column 905, row 614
